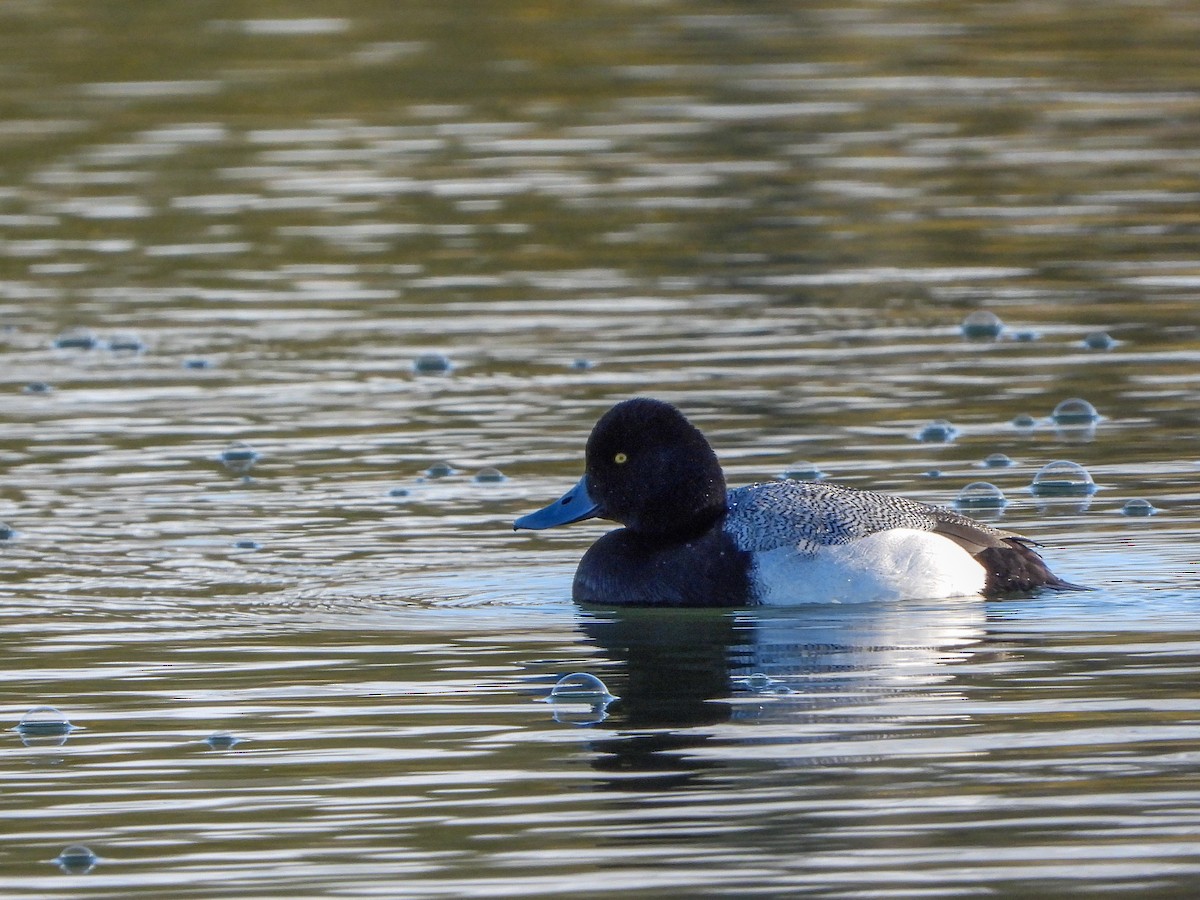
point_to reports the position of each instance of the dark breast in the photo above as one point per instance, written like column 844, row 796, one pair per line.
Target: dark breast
column 628, row 569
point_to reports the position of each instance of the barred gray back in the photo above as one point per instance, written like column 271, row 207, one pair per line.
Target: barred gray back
column 809, row 515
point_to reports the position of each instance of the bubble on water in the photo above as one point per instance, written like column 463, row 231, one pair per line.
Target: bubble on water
column 1025, row 337
column 197, row 363
column 76, row 859
column 580, row 686
column 582, row 364
column 37, row 387
column 1063, row 478
column 7, row 532
column 933, row 473
column 44, row 724
column 997, row 461
column 222, row 740
column 398, row 492
column 981, row 495
column 1024, row 422
column 982, row 325
column 247, row 545
column 1075, row 411
column 432, row 364
column 44, row 720
column 1138, row 507
column 440, row 470
column 489, row 475
column 77, row 339
column 801, row 471
column 939, row 431
column 239, row 457
column 1099, row 340
column 759, row 681
column 580, row 699
column 126, row 343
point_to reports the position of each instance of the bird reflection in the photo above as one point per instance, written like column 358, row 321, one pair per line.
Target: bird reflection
column 675, row 668
column 684, row 677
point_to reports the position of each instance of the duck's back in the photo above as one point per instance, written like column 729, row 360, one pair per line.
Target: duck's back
column 837, row 543
column 809, row 515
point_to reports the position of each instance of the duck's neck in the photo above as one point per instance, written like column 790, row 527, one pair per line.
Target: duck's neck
column 683, row 510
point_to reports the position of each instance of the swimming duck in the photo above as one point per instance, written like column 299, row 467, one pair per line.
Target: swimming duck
column 688, row 541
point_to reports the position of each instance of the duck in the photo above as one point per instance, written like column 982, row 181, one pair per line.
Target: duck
column 689, row 541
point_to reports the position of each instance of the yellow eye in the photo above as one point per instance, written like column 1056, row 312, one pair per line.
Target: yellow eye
column 620, row 459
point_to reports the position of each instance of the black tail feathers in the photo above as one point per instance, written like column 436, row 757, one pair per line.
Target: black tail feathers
column 1015, row 567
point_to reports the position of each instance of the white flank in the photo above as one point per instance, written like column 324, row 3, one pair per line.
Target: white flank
column 900, row 564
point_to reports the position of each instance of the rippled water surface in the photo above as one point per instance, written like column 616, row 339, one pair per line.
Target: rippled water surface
column 366, row 239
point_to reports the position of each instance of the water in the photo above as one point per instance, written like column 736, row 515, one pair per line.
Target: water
column 320, row 676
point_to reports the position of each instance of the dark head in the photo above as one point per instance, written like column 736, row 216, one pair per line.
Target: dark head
column 648, row 468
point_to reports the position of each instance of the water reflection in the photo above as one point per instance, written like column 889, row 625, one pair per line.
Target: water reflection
column 682, row 674
column 779, row 217
column 675, row 669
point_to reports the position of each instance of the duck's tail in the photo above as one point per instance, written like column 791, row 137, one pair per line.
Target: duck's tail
column 1015, row 567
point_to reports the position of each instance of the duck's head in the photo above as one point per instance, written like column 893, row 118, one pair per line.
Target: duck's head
column 648, row 468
